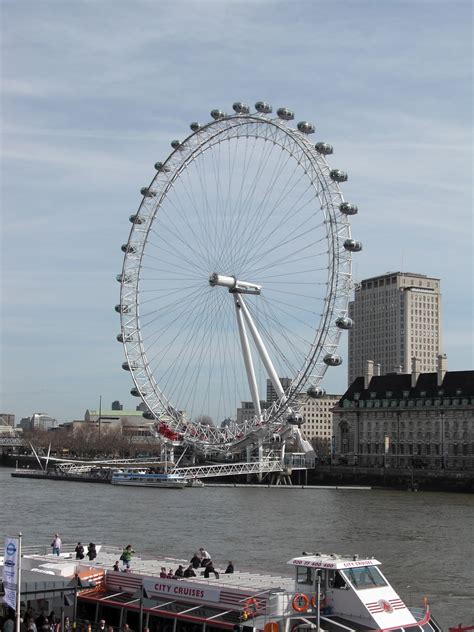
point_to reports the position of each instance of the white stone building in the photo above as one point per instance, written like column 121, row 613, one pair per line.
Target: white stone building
column 420, row 420
column 317, row 417
column 397, row 316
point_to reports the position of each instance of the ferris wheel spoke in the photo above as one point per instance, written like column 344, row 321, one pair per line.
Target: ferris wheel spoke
column 180, row 348
column 254, row 222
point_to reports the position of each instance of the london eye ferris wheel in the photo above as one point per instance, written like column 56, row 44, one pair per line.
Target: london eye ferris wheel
column 236, row 277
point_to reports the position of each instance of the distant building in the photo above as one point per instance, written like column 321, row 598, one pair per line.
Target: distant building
column 141, row 407
column 116, row 405
column 318, row 418
column 247, row 411
column 6, row 430
column 397, row 316
column 271, row 393
column 42, row 421
column 25, row 423
column 131, row 422
column 8, row 419
column 78, row 425
column 407, row 420
column 113, row 415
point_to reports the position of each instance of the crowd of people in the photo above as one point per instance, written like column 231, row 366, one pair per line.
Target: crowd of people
column 56, row 546
column 91, row 551
column 42, row 623
column 201, row 559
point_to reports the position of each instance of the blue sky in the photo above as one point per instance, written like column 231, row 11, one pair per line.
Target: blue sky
column 93, row 93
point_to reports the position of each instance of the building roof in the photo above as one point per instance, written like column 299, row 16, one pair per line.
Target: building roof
column 455, row 383
column 116, row 413
column 400, row 274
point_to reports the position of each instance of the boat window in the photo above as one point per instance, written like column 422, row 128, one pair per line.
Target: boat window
column 304, row 575
column 365, row 577
column 336, row 580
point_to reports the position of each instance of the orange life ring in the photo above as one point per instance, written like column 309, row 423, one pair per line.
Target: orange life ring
column 251, row 602
column 322, row 600
column 300, row 602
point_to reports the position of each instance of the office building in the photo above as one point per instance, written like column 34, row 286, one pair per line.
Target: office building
column 318, row 420
column 271, row 393
column 397, row 316
column 41, row 421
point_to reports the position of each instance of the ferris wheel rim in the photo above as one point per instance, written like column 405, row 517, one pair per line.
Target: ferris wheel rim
column 338, row 285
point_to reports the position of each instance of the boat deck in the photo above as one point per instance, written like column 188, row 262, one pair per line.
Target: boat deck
column 146, row 565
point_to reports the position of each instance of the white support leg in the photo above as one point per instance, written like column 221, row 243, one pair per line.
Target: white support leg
column 247, row 356
column 272, row 374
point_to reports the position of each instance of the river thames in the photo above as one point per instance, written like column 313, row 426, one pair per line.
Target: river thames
column 424, row 540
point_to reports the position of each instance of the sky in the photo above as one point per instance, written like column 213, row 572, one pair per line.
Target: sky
column 92, row 95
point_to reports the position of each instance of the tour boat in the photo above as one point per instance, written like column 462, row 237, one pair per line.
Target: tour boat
column 336, row 593
column 194, row 482
column 143, row 478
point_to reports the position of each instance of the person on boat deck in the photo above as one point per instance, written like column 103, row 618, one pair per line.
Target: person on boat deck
column 115, row 567
column 170, row 574
column 79, row 550
column 230, row 567
column 210, row 569
column 205, row 557
column 126, row 556
column 179, row 572
column 196, row 560
column 91, row 551
column 189, row 572
column 56, row 544
column 163, row 573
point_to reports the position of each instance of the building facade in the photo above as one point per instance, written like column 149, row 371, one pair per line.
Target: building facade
column 271, row 393
column 318, row 420
column 8, row 419
column 38, row 421
column 423, row 420
column 397, row 316
column 247, row 411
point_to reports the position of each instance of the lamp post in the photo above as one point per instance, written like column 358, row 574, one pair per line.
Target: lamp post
column 443, row 458
column 18, row 589
column 74, row 610
column 99, row 418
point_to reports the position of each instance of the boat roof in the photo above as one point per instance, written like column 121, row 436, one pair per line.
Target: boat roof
column 150, row 566
column 332, row 561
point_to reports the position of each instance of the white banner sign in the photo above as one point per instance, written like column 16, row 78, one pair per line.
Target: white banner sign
column 176, row 588
column 10, row 571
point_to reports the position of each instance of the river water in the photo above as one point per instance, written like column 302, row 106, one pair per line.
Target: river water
column 423, row 539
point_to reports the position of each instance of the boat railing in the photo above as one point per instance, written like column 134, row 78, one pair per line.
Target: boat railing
column 67, row 550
